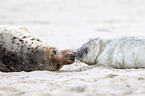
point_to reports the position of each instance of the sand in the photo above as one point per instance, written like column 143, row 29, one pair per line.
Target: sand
column 68, row 24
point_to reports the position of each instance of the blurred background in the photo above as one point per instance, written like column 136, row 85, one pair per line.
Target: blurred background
column 70, row 23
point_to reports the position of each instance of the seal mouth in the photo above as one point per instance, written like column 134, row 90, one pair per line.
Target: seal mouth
column 72, row 57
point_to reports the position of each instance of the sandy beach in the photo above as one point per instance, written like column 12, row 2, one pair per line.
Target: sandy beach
column 67, row 24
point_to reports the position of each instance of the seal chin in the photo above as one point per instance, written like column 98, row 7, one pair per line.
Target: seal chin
column 71, row 61
column 56, row 68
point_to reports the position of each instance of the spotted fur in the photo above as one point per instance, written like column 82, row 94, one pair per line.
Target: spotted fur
column 21, row 51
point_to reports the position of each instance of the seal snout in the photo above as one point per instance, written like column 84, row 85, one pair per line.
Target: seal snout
column 72, row 56
column 81, row 53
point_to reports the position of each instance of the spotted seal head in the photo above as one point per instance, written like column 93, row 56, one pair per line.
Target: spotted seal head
column 57, row 58
column 21, row 51
column 89, row 52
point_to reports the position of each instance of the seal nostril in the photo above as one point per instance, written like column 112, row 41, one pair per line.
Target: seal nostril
column 54, row 52
column 72, row 57
column 75, row 54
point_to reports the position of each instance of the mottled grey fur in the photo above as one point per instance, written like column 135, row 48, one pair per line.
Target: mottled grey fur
column 21, row 51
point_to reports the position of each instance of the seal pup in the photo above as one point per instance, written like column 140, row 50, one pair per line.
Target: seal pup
column 122, row 52
column 21, row 51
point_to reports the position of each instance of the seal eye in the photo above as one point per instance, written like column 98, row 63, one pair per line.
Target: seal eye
column 86, row 50
column 54, row 52
column 58, row 65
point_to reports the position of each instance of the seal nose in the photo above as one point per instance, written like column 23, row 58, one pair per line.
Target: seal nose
column 72, row 57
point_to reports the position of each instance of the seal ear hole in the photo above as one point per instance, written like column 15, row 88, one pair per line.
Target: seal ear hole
column 54, row 52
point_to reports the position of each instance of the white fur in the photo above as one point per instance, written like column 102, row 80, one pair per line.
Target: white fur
column 122, row 52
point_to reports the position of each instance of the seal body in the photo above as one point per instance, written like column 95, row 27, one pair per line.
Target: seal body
column 122, row 52
column 21, row 51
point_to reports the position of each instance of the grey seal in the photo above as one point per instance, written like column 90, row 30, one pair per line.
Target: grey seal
column 21, row 51
column 120, row 52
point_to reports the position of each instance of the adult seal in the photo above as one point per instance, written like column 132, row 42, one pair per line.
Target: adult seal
column 21, row 51
column 122, row 52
